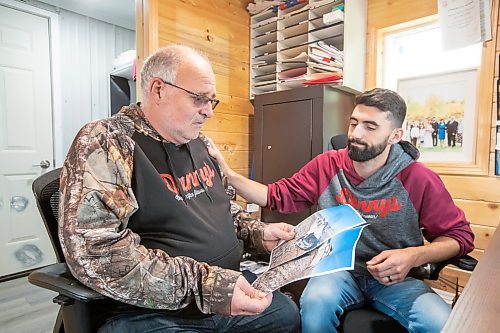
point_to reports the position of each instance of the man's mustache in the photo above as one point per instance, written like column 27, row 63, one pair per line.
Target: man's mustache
column 359, row 142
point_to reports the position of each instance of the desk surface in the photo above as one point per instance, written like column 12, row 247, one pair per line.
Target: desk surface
column 478, row 307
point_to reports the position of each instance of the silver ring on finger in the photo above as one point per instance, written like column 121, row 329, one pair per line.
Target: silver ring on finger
column 389, row 278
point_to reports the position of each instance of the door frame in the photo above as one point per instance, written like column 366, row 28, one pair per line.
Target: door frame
column 55, row 70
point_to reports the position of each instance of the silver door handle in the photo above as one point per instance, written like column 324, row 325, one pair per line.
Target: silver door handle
column 43, row 164
column 18, row 203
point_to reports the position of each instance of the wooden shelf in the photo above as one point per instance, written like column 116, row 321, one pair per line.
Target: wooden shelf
column 286, row 34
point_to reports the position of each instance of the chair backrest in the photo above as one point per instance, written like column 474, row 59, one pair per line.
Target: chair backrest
column 46, row 191
column 339, row 141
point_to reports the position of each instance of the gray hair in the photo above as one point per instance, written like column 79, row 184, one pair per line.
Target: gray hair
column 165, row 62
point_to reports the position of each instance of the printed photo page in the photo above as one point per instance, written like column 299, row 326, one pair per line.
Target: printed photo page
column 324, row 243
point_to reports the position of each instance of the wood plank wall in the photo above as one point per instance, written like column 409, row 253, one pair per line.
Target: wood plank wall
column 220, row 28
column 478, row 196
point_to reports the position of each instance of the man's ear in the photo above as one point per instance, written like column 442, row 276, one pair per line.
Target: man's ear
column 155, row 91
column 396, row 136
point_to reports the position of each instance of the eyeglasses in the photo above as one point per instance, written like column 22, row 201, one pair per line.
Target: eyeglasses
column 198, row 99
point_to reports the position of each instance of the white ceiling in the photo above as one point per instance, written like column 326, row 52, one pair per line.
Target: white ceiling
column 117, row 12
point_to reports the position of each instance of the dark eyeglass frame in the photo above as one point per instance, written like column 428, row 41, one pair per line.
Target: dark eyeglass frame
column 198, row 99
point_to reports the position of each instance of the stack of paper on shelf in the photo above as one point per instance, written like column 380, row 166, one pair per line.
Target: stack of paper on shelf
column 323, row 78
column 323, row 68
column 325, row 58
column 261, row 5
column 263, row 83
column 300, row 58
column 259, row 63
column 293, row 74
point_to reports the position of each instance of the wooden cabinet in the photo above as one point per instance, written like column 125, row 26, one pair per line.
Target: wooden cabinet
column 291, row 128
column 283, row 39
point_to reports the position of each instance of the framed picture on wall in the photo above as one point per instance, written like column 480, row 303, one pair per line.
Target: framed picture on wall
column 441, row 115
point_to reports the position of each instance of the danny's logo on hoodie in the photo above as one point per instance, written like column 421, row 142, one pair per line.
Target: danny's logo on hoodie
column 190, row 183
column 380, row 206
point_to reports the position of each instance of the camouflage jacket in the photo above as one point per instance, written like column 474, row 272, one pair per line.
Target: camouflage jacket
column 97, row 202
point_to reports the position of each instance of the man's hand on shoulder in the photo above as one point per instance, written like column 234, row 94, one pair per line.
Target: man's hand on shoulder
column 275, row 232
column 392, row 266
column 247, row 300
column 215, row 153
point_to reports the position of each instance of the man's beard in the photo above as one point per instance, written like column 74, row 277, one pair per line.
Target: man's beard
column 367, row 153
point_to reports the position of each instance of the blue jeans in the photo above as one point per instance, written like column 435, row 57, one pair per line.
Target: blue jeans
column 411, row 302
column 282, row 316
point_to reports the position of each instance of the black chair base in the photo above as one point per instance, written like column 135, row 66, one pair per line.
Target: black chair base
column 367, row 320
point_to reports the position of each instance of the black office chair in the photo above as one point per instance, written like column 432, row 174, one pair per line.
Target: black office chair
column 74, row 298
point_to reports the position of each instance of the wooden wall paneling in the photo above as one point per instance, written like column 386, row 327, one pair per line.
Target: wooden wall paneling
column 473, row 188
column 219, row 28
column 230, row 141
column 146, row 23
column 234, row 105
column 449, row 277
column 480, row 212
column 228, row 123
column 482, row 235
column 477, row 254
column 385, row 13
column 243, row 171
column 237, row 159
column 219, row 32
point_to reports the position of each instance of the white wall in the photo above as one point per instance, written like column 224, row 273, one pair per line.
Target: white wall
column 87, row 48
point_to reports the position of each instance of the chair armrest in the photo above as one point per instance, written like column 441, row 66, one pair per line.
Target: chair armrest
column 466, row 262
column 431, row 271
column 58, row 278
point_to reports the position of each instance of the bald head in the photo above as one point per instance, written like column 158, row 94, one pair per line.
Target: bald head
column 165, row 64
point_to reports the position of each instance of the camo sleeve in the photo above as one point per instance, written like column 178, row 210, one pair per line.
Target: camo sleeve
column 248, row 229
column 96, row 203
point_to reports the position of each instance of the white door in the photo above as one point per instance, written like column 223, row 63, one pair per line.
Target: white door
column 25, row 138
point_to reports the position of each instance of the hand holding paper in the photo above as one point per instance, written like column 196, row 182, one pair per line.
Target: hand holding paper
column 275, row 233
column 324, row 243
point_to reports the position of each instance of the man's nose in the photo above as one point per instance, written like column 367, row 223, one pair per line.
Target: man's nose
column 207, row 110
column 357, row 132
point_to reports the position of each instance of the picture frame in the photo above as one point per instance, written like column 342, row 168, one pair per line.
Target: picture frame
column 442, row 115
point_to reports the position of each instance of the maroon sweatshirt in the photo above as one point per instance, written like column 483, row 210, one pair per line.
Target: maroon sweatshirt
column 402, row 201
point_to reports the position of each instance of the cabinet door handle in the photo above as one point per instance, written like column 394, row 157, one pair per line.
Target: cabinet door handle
column 269, row 147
